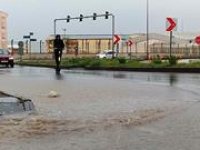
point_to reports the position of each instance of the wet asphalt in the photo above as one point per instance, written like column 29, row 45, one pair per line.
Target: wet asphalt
column 116, row 110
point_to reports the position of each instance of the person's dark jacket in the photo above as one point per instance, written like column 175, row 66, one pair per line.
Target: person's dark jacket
column 58, row 44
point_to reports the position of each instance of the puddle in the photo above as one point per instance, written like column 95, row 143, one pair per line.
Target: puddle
column 10, row 104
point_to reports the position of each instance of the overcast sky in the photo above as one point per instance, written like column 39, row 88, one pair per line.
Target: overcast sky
column 38, row 15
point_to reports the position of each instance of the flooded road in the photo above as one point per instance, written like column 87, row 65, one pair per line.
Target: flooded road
column 102, row 110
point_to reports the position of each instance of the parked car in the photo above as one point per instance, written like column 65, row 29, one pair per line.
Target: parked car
column 6, row 58
column 106, row 54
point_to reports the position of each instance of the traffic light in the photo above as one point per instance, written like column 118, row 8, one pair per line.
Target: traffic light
column 68, row 18
column 94, row 16
column 106, row 15
column 81, row 17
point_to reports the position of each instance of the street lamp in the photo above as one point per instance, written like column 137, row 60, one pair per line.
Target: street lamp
column 40, row 46
column 64, row 31
column 12, row 43
column 147, row 28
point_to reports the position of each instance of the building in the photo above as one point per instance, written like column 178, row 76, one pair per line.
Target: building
column 159, row 44
column 85, row 44
column 3, row 29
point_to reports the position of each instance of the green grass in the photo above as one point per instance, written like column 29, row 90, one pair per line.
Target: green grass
column 106, row 63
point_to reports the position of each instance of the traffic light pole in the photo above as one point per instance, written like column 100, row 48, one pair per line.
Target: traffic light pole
column 94, row 16
column 61, row 19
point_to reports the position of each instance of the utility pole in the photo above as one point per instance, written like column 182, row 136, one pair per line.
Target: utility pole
column 147, row 28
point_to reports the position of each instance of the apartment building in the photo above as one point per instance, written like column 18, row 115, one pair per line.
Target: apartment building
column 3, row 29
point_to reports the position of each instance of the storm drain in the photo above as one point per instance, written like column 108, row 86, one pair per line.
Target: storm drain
column 10, row 104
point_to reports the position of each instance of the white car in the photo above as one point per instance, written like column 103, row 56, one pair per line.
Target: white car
column 106, row 54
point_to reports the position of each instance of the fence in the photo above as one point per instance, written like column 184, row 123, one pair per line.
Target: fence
column 138, row 50
column 29, row 47
column 178, row 50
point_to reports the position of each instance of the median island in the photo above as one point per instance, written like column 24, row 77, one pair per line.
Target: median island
column 120, row 64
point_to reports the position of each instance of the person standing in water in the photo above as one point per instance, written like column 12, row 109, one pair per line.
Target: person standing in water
column 58, row 48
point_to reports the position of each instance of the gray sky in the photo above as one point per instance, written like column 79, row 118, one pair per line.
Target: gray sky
column 38, row 15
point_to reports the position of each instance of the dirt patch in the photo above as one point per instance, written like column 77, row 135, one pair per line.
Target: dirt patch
column 39, row 126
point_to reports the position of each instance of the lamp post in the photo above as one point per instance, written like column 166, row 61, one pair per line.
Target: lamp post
column 64, row 32
column 12, row 43
column 113, row 33
column 40, row 46
column 147, row 28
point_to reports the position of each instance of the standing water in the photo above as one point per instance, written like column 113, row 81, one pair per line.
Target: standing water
column 102, row 110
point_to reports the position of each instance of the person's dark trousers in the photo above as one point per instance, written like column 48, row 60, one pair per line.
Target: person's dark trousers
column 57, row 53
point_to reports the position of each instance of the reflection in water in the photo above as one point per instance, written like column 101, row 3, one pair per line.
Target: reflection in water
column 83, row 72
column 4, row 70
column 149, row 77
column 168, row 78
column 119, row 75
column 136, row 76
column 173, row 79
column 59, row 76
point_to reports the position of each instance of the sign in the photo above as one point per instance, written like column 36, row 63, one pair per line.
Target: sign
column 125, row 37
column 33, row 39
column 26, row 37
column 130, row 42
column 197, row 40
column 116, row 39
column 171, row 24
column 21, row 47
column 20, row 44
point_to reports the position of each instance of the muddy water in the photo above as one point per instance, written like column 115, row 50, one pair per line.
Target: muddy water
column 94, row 110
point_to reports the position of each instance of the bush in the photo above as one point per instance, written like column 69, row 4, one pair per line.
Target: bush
column 122, row 60
column 157, row 60
column 94, row 63
column 77, row 62
column 85, row 61
column 172, row 60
